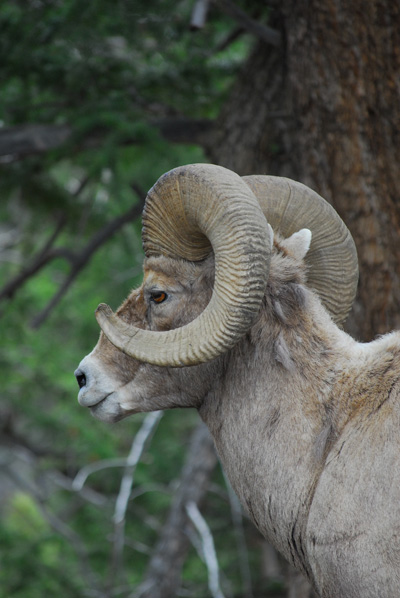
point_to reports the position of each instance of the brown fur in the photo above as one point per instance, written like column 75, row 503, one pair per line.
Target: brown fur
column 305, row 420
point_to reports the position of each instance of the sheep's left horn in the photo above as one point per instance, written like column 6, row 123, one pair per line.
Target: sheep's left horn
column 191, row 211
column 332, row 259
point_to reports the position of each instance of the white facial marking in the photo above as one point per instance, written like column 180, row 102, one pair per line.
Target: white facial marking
column 99, row 389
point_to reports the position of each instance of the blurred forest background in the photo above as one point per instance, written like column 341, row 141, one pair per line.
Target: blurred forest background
column 97, row 100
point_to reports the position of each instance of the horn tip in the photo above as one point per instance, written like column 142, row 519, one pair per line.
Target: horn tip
column 103, row 312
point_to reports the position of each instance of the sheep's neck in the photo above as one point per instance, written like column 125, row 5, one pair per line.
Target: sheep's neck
column 271, row 429
column 279, row 411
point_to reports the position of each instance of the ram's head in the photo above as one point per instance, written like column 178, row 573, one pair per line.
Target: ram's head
column 207, row 236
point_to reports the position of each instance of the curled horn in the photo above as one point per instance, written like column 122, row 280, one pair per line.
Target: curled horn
column 191, row 211
column 199, row 208
column 332, row 258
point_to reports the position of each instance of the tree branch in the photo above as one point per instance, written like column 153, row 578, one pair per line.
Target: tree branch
column 243, row 555
column 23, row 140
column 83, row 474
column 230, row 39
column 45, row 255
column 263, row 32
column 208, row 549
column 80, row 260
column 20, row 141
column 77, row 260
column 199, row 14
column 150, row 422
column 162, row 579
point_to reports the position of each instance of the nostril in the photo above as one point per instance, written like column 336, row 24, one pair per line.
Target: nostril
column 81, row 378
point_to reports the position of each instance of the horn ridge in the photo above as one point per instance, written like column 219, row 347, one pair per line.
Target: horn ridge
column 189, row 212
column 197, row 209
column 332, row 258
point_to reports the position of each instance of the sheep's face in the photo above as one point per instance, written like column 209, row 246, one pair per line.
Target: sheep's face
column 113, row 385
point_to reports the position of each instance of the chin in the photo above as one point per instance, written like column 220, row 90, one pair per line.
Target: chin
column 109, row 413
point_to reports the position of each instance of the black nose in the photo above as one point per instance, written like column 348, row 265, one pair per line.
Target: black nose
column 81, row 378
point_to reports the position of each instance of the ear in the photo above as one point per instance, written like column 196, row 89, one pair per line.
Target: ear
column 298, row 244
column 271, row 235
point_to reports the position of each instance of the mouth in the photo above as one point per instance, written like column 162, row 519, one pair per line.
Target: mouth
column 86, row 398
column 104, row 409
column 107, row 412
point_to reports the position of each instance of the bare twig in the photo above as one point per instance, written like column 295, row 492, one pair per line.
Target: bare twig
column 20, row 141
column 230, row 39
column 77, row 260
column 263, row 32
column 38, row 320
column 80, row 260
column 208, row 549
column 237, row 518
column 162, row 579
column 87, row 494
column 150, row 488
column 10, row 288
column 199, row 14
column 83, row 474
column 46, row 254
column 150, row 422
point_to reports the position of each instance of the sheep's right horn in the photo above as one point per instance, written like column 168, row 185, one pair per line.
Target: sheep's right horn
column 190, row 212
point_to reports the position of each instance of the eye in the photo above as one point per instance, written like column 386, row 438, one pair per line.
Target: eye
column 158, row 296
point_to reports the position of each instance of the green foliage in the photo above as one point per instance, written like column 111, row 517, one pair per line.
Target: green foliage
column 23, row 517
column 105, row 63
column 107, row 70
column 35, row 562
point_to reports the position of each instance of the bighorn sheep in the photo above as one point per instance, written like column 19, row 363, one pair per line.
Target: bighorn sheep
column 238, row 317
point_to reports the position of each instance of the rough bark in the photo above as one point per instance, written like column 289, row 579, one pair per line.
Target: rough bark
column 325, row 109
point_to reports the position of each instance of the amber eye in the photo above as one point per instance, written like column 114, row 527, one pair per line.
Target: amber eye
column 158, row 296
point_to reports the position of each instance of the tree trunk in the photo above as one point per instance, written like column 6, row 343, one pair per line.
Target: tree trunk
column 325, row 109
